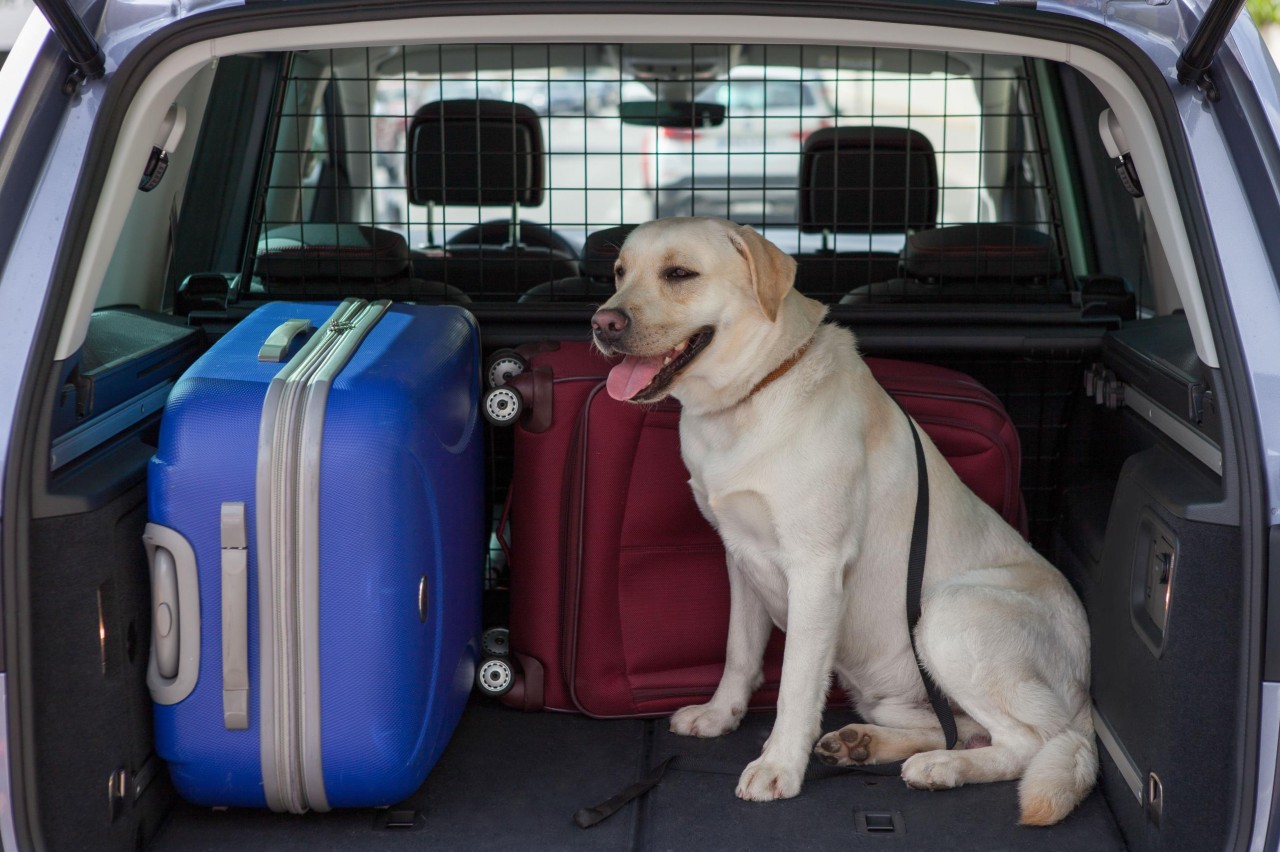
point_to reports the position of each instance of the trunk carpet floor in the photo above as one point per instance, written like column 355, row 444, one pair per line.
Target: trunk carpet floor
column 512, row 780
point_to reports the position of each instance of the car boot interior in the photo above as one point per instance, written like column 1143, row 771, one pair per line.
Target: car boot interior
column 955, row 207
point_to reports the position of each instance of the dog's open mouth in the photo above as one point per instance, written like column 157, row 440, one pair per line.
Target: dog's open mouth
column 642, row 379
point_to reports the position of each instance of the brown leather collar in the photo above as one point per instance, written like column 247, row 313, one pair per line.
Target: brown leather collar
column 780, row 370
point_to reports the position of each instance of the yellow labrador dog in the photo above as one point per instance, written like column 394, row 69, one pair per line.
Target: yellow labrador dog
column 807, row 469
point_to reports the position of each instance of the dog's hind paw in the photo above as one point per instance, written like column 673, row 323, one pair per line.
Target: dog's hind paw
column 852, row 745
column 934, row 770
column 762, row 781
column 705, row 720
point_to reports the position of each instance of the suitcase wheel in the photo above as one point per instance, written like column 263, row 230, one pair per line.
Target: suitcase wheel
column 502, row 365
column 495, row 676
column 494, row 641
column 502, row 406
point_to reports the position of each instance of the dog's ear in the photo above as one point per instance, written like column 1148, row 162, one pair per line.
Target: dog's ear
column 773, row 271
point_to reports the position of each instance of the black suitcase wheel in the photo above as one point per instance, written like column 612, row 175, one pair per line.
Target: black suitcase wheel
column 494, row 641
column 501, row 406
column 502, row 365
column 495, row 676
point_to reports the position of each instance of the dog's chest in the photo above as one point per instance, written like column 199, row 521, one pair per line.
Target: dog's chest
column 746, row 523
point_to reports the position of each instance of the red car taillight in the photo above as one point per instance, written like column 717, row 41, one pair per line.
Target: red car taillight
column 684, row 134
column 802, row 135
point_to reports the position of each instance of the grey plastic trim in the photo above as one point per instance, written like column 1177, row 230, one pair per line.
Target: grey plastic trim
column 71, row 446
column 1205, row 451
column 288, row 560
column 308, row 536
column 1269, row 743
column 8, row 831
column 274, row 551
column 1119, row 754
column 277, row 345
column 168, row 550
column 235, row 618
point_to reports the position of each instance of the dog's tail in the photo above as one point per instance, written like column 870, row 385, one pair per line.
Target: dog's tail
column 1060, row 775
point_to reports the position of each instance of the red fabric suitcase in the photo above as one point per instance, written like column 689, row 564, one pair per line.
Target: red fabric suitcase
column 619, row 592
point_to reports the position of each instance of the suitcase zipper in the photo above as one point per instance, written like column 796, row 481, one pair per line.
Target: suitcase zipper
column 292, row 425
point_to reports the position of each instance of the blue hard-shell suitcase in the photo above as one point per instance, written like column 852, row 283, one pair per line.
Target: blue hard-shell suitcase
column 316, row 545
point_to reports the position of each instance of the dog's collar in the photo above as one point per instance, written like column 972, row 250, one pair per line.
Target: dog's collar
column 780, row 370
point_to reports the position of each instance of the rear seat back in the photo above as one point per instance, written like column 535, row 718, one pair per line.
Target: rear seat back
column 980, row 262
column 482, row 153
column 595, row 284
column 324, row 260
column 862, row 180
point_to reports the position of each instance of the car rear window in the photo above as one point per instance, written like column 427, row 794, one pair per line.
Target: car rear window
column 917, row 141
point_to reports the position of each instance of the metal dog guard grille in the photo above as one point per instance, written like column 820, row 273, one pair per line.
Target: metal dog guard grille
column 977, row 112
column 863, row 163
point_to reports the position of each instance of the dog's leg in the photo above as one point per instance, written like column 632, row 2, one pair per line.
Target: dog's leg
column 1021, row 675
column 900, row 731
column 749, row 628
column 813, row 611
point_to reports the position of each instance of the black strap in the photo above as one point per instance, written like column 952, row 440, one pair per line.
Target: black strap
column 915, row 583
column 588, row 817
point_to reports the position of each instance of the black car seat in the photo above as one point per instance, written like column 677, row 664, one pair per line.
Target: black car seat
column 862, row 180
column 326, row 260
column 973, row 263
column 483, row 153
column 595, row 283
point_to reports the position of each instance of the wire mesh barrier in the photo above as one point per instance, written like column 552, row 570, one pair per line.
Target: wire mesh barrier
column 478, row 172
column 509, row 175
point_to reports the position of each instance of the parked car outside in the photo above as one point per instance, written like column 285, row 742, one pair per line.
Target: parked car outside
column 745, row 168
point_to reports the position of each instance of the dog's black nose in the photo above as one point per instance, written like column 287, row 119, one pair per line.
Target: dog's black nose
column 607, row 325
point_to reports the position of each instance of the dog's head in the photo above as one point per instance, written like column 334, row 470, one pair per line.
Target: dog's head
column 694, row 295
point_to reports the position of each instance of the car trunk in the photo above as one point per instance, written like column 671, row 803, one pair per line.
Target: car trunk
column 1096, row 479
column 1131, row 473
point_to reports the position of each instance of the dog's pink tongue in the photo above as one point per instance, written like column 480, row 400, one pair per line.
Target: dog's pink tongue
column 631, row 376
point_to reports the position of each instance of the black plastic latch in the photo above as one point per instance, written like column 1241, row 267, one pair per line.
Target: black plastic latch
column 1128, row 174
column 1199, row 400
column 1101, row 383
column 399, row 818
column 82, row 386
column 157, row 165
column 879, row 822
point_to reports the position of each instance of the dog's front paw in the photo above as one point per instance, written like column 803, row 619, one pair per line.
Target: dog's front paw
column 764, row 781
column 705, row 720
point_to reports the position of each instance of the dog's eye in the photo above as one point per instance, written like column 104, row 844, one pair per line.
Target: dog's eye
column 618, row 272
column 678, row 273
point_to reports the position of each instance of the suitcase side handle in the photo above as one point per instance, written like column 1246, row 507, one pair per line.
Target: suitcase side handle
column 174, row 663
column 235, row 618
column 278, row 342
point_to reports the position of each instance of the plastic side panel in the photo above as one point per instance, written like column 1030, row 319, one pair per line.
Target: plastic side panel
column 401, row 505
column 207, row 456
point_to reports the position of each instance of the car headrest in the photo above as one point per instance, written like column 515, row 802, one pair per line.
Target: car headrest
column 867, row 180
column 600, row 251
column 475, row 152
column 981, row 251
column 331, row 250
